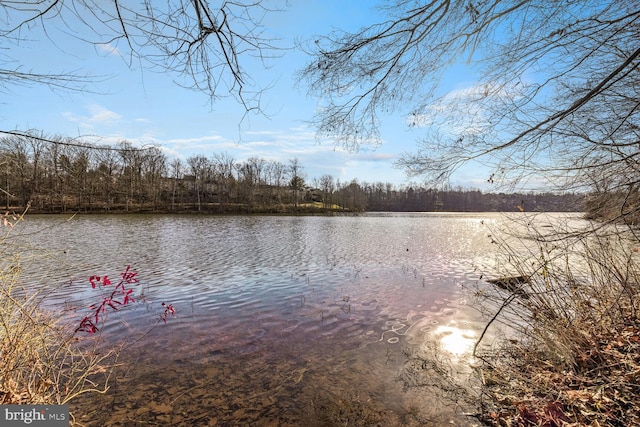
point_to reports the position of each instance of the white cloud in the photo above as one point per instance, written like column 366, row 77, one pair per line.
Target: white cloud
column 200, row 145
column 464, row 110
column 108, row 48
column 196, row 140
column 97, row 115
column 376, row 157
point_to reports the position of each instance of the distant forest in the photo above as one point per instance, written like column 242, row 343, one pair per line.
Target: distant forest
column 67, row 177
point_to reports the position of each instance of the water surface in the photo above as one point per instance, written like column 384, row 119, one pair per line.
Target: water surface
column 280, row 320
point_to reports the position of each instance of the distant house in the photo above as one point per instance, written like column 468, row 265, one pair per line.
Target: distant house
column 314, row 195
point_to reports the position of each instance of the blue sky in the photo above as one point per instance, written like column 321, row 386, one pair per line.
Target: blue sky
column 146, row 107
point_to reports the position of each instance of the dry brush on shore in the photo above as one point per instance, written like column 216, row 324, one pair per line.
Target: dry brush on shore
column 42, row 359
column 570, row 355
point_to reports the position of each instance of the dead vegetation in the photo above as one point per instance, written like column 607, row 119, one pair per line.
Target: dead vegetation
column 42, row 359
column 570, row 354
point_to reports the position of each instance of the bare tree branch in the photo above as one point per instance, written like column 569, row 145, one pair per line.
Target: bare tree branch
column 69, row 142
column 558, row 92
column 205, row 48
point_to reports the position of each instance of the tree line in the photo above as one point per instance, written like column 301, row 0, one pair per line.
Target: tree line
column 57, row 175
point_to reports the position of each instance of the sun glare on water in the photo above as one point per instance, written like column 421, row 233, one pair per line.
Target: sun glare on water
column 455, row 340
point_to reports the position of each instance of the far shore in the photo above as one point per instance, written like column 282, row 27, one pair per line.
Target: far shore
column 314, row 208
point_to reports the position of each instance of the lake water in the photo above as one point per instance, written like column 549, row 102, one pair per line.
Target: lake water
column 280, row 320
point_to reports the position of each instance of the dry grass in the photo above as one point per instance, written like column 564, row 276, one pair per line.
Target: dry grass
column 42, row 359
column 570, row 355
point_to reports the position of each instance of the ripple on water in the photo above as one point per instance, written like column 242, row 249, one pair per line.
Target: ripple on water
column 273, row 310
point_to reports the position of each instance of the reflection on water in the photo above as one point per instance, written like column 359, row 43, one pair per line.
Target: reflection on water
column 280, row 320
column 454, row 340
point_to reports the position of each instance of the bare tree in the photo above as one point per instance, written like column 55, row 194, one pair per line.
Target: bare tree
column 203, row 46
column 154, row 169
column 224, row 166
column 56, row 176
column 79, row 167
column 199, row 167
column 328, row 186
column 177, row 167
column 18, row 167
column 131, row 160
column 558, row 95
column 296, row 181
column 277, row 173
column 247, row 180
